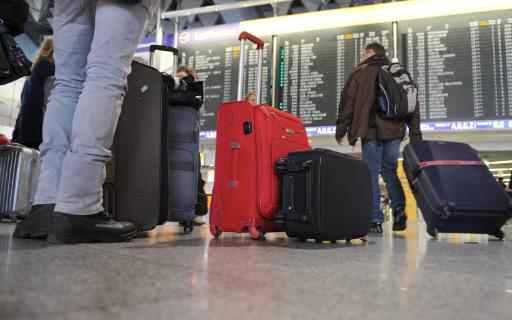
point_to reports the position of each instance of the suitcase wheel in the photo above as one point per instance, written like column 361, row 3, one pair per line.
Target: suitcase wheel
column 303, row 239
column 433, row 232
column 188, row 227
column 500, row 235
column 215, row 231
column 256, row 233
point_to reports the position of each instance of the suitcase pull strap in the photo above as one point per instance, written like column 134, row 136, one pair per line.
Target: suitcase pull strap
column 189, row 137
column 182, row 165
column 444, row 163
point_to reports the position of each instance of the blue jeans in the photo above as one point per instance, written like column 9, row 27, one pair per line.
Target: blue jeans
column 94, row 45
column 382, row 159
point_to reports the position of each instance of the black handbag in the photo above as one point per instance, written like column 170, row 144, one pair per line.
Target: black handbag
column 184, row 92
column 13, row 62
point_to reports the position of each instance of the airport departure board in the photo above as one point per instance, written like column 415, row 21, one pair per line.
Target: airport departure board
column 314, row 66
column 217, row 65
column 462, row 65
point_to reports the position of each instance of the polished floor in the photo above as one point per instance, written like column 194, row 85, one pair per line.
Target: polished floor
column 166, row 275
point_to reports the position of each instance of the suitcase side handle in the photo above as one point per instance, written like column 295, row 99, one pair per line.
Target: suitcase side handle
column 260, row 45
column 309, row 190
column 234, row 174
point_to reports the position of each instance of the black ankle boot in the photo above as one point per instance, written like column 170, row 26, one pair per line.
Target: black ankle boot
column 37, row 224
column 68, row 228
column 399, row 219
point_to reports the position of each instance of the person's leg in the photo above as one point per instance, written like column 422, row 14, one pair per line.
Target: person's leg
column 73, row 30
column 118, row 29
column 372, row 155
column 391, row 152
column 79, row 213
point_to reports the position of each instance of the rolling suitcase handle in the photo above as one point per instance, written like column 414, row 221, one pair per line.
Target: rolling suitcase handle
column 309, row 190
column 281, row 167
column 244, row 36
column 154, row 47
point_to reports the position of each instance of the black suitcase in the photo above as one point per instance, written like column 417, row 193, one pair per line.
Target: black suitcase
column 325, row 195
column 135, row 189
column 153, row 175
column 454, row 189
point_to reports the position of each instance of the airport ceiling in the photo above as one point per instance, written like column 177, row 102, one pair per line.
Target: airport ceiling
column 41, row 16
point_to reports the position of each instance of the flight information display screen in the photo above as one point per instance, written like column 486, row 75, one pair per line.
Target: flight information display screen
column 314, row 66
column 217, row 63
column 462, row 65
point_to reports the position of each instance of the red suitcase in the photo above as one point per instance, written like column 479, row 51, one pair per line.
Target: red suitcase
column 250, row 139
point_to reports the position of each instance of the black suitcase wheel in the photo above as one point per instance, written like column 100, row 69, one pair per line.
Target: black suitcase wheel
column 256, row 233
column 500, row 235
column 433, row 232
column 215, row 231
column 303, row 239
column 188, row 227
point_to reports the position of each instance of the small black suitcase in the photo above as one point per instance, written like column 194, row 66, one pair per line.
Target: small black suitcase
column 455, row 190
column 325, row 195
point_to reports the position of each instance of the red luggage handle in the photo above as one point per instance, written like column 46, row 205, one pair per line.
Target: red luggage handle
column 244, row 36
column 248, row 36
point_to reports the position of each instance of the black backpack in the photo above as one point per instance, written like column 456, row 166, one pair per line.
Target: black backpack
column 13, row 62
column 397, row 95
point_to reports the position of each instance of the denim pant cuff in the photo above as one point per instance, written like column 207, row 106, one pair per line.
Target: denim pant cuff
column 44, row 201
column 76, row 212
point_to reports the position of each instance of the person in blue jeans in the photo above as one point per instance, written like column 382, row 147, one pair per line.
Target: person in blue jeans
column 381, row 138
column 95, row 41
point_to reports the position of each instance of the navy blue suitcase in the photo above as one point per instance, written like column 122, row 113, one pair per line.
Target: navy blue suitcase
column 455, row 190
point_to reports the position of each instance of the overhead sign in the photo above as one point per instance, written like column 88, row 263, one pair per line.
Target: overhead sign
column 426, row 127
column 209, row 34
column 145, row 43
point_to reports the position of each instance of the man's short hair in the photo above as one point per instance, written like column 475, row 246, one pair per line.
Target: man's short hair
column 376, row 47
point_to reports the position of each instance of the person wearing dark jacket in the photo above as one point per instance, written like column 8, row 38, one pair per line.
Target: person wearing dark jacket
column 29, row 125
column 381, row 138
column 509, row 189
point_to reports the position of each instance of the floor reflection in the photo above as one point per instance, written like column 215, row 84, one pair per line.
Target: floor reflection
column 405, row 275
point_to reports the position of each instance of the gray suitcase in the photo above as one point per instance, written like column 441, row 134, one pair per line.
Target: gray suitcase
column 19, row 171
column 183, row 163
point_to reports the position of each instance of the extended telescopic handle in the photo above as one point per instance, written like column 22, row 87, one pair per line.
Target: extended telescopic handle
column 257, row 41
column 260, row 45
column 156, row 47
